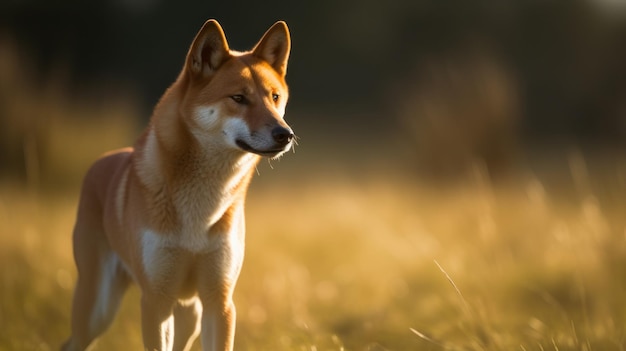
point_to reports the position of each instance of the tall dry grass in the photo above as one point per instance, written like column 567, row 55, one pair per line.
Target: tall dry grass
column 367, row 265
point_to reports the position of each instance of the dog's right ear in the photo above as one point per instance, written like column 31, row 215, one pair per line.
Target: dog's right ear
column 208, row 50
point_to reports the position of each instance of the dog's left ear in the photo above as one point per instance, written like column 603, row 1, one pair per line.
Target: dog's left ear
column 274, row 47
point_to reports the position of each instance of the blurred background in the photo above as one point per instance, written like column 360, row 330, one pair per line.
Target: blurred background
column 488, row 136
column 436, row 84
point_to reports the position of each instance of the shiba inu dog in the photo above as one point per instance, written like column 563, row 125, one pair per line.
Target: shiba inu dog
column 168, row 214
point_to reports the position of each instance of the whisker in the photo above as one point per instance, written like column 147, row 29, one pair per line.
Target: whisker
column 295, row 142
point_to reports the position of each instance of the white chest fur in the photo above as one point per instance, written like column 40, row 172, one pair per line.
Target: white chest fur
column 161, row 254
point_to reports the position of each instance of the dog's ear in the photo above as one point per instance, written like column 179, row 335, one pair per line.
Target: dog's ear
column 274, row 47
column 208, row 50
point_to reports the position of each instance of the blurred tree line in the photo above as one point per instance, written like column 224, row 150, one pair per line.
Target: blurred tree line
column 527, row 69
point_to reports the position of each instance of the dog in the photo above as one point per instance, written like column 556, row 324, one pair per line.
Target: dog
column 168, row 214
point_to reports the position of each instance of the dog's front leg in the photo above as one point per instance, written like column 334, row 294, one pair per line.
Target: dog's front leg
column 215, row 289
column 157, row 322
column 218, row 326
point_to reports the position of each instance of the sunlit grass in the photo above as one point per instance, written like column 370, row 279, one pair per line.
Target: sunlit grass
column 376, row 264
column 529, row 267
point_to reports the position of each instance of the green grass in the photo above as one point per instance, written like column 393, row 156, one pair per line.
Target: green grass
column 383, row 263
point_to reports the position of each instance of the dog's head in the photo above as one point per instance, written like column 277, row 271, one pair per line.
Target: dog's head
column 238, row 99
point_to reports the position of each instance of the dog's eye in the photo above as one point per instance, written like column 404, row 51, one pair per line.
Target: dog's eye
column 240, row 99
column 275, row 97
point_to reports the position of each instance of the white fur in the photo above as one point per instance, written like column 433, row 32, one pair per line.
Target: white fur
column 155, row 253
column 105, row 290
column 236, row 128
column 207, row 117
column 167, row 332
column 281, row 110
column 243, row 165
column 151, row 258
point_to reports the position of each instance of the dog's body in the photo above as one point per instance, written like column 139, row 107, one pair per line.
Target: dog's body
column 168, row 214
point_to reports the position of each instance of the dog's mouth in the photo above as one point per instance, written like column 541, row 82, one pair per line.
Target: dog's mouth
column 267, row 153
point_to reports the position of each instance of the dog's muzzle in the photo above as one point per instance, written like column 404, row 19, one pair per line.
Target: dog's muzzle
column 282, row 138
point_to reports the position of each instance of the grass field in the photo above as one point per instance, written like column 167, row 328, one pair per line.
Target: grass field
column 376, row 262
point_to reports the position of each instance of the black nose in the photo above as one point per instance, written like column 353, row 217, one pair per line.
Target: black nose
column 282, row 135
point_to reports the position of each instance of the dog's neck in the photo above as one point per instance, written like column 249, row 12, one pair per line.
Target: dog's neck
column 196, row 183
